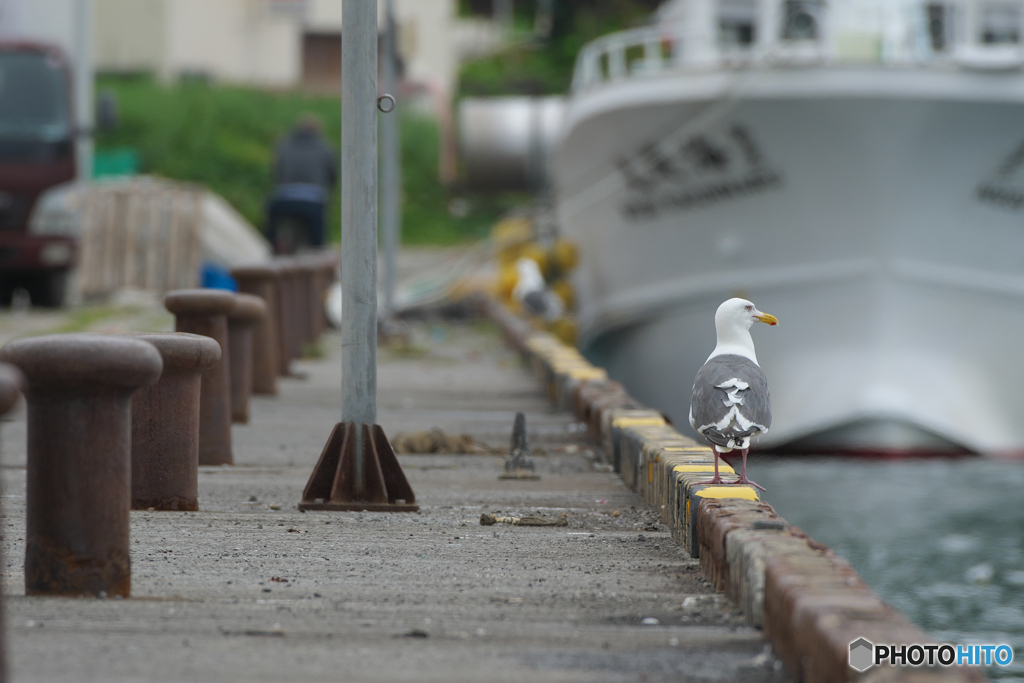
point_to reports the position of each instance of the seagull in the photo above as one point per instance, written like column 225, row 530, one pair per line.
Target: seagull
column 730, row 401
column 533, row 294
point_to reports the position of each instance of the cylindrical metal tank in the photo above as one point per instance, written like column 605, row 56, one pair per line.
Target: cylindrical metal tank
column 505, row 142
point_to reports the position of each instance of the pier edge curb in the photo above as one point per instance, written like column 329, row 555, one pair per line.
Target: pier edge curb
column 810, row 603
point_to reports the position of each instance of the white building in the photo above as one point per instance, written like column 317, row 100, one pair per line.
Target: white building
column 265, row 43
column 276, row 43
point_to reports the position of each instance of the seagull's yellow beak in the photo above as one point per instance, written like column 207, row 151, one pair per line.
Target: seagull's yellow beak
column 766, row 318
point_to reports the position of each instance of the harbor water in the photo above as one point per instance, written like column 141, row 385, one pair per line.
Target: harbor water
column 942, row 540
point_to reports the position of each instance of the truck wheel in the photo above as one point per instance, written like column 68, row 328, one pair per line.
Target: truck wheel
column 47, row 289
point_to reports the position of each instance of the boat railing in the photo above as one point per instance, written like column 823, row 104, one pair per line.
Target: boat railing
column 909, row 38
column 651, row 49
column 618, row 55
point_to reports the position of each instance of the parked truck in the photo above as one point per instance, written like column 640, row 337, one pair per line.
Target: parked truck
column 37, row 154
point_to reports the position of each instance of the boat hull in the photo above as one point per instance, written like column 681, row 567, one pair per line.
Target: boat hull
column 876, row 212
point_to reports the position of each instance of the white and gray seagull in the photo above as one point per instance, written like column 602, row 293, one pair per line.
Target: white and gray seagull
column 533, row 294
column 730, row 403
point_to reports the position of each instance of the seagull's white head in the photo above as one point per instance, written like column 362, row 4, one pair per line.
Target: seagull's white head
column 732, row 325
column 742, row 314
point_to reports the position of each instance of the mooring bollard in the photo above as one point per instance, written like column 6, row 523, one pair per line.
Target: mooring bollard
column 11, row 384
column 318, row 288
column 204, row 312
column 260, row 280
column 165, row 424
column 307, row 283
column 300, row 311
column 247, row 314
column 285, row 317
column 79, row 389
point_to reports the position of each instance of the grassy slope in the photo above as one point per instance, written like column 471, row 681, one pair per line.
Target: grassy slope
column 224, row 137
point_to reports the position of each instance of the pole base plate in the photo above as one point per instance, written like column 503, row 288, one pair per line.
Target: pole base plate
column 359, row 507
column 333, row 485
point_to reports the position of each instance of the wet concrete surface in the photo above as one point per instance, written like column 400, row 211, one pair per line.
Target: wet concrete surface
column 250, row 589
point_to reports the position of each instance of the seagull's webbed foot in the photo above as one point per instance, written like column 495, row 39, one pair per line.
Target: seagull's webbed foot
column 744, row 480
column 714, row 480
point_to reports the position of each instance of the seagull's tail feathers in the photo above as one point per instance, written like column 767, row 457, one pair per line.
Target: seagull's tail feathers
column 726, row 440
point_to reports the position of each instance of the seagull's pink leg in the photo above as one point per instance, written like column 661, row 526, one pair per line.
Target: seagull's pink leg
column 743, row 473
column 717, row 479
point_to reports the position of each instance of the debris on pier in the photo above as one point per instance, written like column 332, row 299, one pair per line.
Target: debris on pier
column 436, row 441
column 491, row 520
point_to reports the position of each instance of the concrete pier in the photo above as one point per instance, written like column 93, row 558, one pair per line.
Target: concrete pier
column 645, row 573
column 250, row 589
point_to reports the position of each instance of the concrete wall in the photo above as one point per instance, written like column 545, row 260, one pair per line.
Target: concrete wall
column 427, row 32
column 237, row 41
column 252, row 42
column 130, row 35
column 260, row 42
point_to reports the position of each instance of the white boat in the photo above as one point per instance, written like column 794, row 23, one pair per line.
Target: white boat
column 855, row 168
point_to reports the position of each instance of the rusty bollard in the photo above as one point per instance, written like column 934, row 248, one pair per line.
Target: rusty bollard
column 309, row 289
column 204, row 312
column 285, row 317
column 165, row 424
column 247, row 314
column 261, row 281
column 292, row 307
column 321, row 275
column 11, row 384
column 299, row 310
column 311, row 295
column 79, row 389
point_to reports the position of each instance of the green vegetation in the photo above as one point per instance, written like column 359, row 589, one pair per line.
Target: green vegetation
column 543, row 65
column 86, row 318
column 224, row 137
column 425, row 215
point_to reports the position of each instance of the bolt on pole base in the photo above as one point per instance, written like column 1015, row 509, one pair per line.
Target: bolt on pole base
column 519, row 464
column 333, row 484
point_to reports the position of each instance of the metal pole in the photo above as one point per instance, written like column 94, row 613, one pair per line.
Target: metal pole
column 391, row 163
column 359, row 218
column 84, row 87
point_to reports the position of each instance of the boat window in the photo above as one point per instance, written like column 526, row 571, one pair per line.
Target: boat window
column 940, row 33
column 737, row 22
column 800, row 20
column 1000, row 22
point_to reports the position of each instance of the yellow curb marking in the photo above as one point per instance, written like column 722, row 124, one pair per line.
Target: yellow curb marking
column 744, row 492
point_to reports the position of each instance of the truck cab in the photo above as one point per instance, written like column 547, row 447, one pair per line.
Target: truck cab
column 37, row 152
